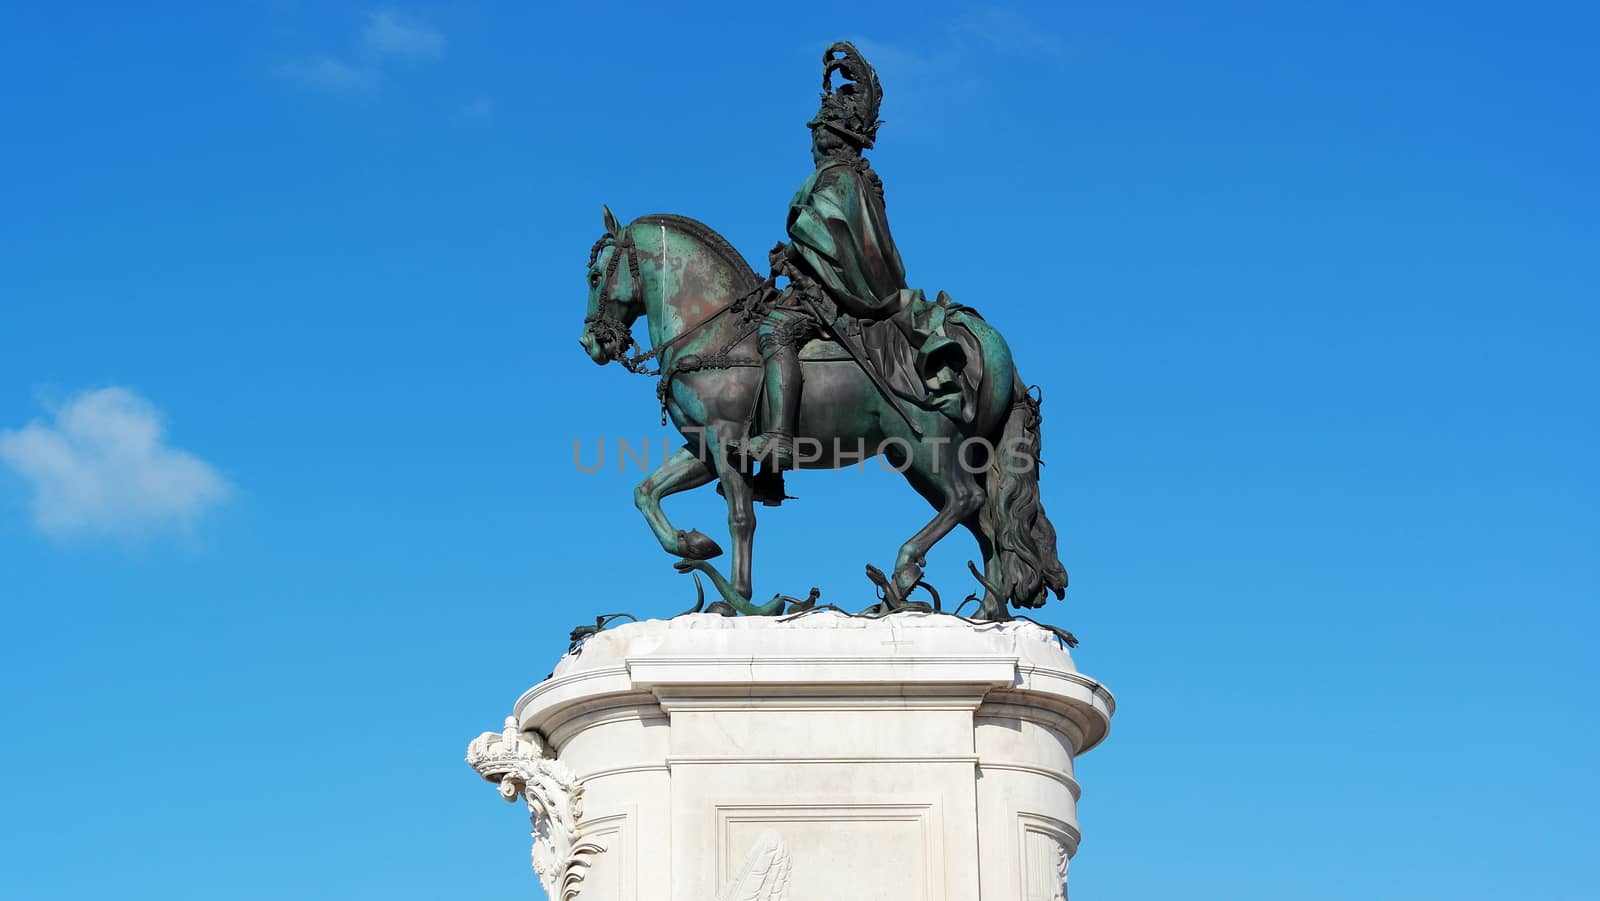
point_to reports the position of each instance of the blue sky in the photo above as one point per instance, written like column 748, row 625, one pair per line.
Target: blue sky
column 289, row 382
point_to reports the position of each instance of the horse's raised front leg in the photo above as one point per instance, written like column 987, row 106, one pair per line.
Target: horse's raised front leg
column 682, row 471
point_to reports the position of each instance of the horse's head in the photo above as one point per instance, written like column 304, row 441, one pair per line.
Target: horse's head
column 616, row 294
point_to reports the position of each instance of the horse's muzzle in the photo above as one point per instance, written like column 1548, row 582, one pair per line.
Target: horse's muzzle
column 594, row 347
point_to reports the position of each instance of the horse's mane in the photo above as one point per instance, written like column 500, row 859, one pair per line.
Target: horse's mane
column 708, row 236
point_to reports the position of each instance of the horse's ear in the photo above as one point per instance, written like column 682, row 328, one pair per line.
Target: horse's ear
column 611, row 221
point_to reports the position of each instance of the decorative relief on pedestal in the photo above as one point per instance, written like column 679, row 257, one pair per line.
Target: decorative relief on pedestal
column 889, row 850
column 1061, row 872
column 765, row 873
column 1046, row 851
column 524, row 767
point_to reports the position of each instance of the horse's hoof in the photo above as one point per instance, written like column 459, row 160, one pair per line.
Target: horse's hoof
column 696, row 545
column 722, row 608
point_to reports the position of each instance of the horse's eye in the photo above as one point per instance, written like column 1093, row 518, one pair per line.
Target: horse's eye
column 594, row 278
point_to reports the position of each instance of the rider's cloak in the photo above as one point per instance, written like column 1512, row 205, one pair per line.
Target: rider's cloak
column 839, row 231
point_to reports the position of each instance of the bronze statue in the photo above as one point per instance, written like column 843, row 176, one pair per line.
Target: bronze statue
column 839, row 362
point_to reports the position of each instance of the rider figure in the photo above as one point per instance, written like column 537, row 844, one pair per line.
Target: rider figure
column 840, row 260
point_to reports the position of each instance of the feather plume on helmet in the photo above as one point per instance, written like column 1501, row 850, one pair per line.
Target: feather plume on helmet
column 851, row 110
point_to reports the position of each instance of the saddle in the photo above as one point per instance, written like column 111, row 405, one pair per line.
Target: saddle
column 824, row 350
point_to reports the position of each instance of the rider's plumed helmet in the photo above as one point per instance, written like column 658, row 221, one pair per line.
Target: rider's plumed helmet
column 851, row 110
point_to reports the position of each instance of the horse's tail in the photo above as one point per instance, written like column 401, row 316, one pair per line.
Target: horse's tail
column 1024, row 540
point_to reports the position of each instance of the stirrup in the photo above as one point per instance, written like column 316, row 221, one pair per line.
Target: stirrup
column 774, row 449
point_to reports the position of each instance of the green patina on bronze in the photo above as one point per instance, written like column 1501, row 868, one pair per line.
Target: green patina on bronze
column 831, row 353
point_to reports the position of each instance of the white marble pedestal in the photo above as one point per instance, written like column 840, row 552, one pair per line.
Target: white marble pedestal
column 828, row 758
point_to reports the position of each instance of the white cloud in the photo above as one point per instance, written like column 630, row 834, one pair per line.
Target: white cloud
column 331, row 74
column 1009, row 33
column 384, row 37
column 103, row 466
column 390, row 34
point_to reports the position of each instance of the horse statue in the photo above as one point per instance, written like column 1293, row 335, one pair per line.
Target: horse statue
column 694, row 290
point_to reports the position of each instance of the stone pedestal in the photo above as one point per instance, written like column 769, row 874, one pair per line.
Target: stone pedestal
column 828, row 758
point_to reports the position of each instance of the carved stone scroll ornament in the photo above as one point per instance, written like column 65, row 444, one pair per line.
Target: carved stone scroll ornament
column 523, row 767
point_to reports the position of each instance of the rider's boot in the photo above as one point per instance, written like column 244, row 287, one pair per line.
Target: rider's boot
column 781, row 398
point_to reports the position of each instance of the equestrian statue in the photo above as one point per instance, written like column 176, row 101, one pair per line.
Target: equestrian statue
column 829, row 360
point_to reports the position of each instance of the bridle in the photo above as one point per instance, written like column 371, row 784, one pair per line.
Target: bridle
column 606, row 327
